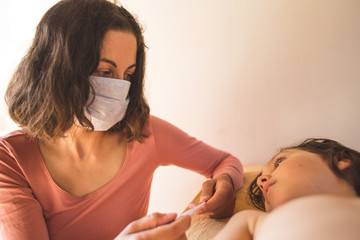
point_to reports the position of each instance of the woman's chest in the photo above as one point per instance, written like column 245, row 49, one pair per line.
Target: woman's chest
column 80, row 177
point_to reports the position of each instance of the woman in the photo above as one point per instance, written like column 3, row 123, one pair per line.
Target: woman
column 82, row 165
column 309, row 191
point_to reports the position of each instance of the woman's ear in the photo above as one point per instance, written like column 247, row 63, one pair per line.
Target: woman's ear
column 344, row 164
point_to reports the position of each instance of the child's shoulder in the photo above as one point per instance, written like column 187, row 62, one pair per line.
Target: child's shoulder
column 241, row 225
column 253, row 218
column 313, row 217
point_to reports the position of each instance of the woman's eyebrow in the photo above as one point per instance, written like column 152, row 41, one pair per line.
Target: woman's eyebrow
column 114, row 64
column 109, row 61
column 134, row 65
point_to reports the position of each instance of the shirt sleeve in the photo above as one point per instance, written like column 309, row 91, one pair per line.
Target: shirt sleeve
column 175, row 147
column 21, row 215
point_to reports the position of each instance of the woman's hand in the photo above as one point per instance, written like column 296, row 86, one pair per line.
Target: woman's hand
column 219, row 196
column 156, row 226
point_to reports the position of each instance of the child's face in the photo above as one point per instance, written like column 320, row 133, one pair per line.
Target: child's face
column 296, row 173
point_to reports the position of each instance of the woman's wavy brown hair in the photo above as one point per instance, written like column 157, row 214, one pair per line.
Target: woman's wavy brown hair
column 50, row 87
column 331, row 152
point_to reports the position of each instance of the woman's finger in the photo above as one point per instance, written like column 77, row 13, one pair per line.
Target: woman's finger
column 182, row 237
column 222, row 203
column 172, row 231
column 149, row 222
column 208, row 188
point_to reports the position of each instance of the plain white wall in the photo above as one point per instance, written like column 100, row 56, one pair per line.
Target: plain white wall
column 246, row 76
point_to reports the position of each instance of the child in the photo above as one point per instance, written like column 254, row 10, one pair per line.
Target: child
column 309, row 191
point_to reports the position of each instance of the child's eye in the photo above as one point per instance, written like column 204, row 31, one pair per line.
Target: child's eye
column 278, row 161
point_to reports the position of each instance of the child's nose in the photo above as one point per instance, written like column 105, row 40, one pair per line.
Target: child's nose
column 261, row 180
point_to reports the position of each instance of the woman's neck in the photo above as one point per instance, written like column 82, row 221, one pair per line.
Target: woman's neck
column 82, row 144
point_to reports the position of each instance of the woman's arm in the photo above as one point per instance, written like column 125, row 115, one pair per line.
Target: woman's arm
column 156, row 226
column 21, row 215
column 224, row 170
column 175, row 147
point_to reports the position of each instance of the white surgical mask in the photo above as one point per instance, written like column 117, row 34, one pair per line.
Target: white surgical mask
column 109, row 104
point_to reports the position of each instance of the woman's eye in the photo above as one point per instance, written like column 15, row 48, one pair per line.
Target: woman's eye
column 128, row 77
column 103, row 73
column 278, row 161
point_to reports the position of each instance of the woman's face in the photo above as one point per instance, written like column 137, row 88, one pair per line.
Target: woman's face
column 296, row 173
column 117, row 56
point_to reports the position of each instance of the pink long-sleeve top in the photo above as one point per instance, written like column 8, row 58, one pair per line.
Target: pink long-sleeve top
column 32, row 206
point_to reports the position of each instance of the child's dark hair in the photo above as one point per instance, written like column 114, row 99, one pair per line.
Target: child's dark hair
column 332, row 152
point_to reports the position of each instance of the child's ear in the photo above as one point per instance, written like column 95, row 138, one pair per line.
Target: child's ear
column 344, row 164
